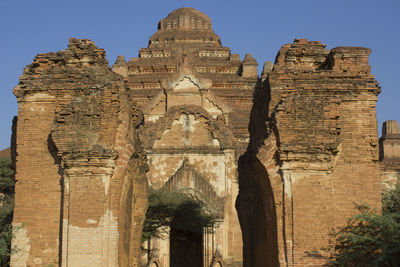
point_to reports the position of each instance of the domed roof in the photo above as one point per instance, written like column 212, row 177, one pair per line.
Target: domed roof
column 184, row 29
column 185, row 18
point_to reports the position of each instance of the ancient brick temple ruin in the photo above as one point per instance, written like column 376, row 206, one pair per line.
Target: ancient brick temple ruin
column 281, row 157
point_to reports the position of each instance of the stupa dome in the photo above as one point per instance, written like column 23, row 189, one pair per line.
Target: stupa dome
column 184, row 28
column 184, row 19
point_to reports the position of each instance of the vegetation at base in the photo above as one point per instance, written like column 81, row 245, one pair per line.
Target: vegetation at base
column 176, row 210
column 6, row 209
column 370, row 238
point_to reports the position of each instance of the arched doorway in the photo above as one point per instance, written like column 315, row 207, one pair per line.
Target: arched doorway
column 193, row 245
column 186, row 248
column 191, row 153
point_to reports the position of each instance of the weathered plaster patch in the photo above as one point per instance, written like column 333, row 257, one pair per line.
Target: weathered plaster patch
column 192, row 122
column 92, row 246
column 37, row 260
column 38, row 109
column 287, row 182
column 164, row 166
column 186, row 83
column 216, row 142
column 211, row 107
column 38, row 97
column 91, row 221
column 187, row 131
column 152, row 118
column 20, row 244
column 212, row 167
column 390, row 179
column 106, row 181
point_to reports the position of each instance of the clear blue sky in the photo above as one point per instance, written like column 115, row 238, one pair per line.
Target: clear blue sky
column 259, row 27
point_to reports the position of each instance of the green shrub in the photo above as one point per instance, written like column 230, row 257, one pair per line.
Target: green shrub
column 177, row 210
column 6, row 209
column 369, row 238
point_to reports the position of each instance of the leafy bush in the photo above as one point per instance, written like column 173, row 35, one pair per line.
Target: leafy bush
column 369, row 238
column 174, row 209
column 6, row 209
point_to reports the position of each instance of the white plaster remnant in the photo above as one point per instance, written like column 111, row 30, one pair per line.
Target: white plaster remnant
column 39, row 97
column 164, row 166
column 37, row 260
column 38, row 109
column 211, row 107
column 193, row 122
column 152, row 118
column 106, row 181
column 216, row 142
column 390, row 179
column 186, row 83
column 213, row 167
column 91, row 246
column 287, row 181
column 20, row 244
column 91, row 221
column 187, row 131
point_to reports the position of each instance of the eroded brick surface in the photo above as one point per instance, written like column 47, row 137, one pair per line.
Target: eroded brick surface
column 75, row 148
column 313, row 153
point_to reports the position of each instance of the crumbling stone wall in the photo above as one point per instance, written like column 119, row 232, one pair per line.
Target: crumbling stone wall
column 313, row 153
column 79, row 163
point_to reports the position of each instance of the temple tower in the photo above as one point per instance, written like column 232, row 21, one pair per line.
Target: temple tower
column 196, row 98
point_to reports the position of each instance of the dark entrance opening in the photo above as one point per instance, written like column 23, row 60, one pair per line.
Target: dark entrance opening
column 186, row 248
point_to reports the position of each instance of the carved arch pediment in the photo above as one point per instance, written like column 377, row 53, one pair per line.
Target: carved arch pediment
column 187, row 83
column 187, row 79
column 217, row 127
column 187, row 90
column 187, row 180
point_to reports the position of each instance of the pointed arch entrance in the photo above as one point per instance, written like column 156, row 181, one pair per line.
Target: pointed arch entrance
column 193, row 247
column 190, row 147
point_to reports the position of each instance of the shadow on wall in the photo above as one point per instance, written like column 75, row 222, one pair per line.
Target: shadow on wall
column 255, row 203
column 257, row 214
column 57, row 161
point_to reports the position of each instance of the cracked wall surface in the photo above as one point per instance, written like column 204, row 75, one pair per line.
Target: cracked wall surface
column 313, row 153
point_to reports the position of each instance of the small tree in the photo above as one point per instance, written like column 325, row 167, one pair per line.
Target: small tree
column 371, row 239
column 176, row 210
column 6, row 209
